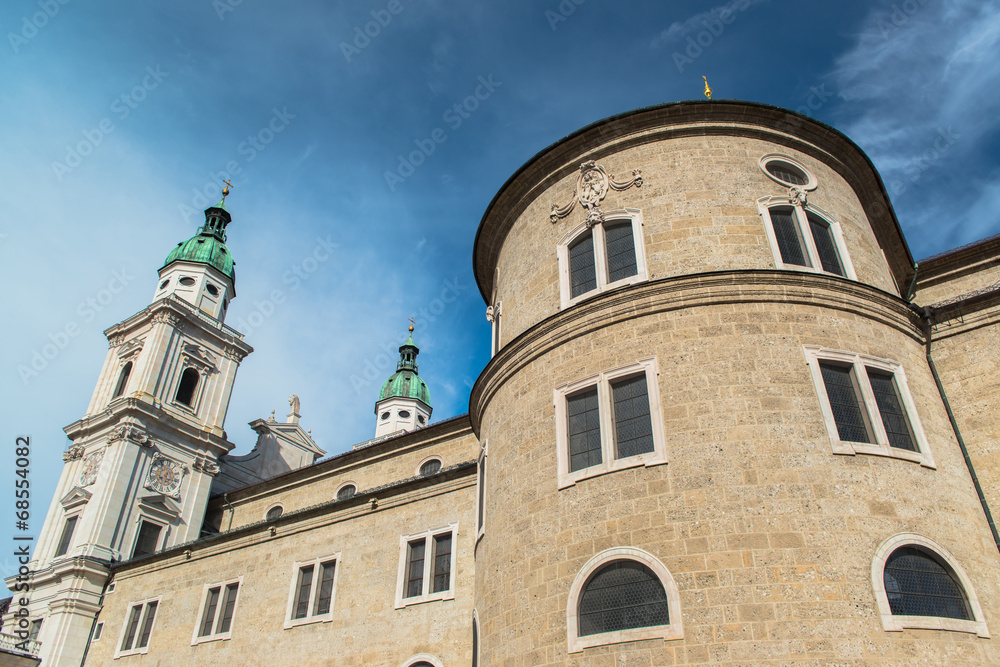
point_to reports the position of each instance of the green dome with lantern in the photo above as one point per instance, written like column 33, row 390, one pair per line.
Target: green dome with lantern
column 208, row 246
column 405, row 382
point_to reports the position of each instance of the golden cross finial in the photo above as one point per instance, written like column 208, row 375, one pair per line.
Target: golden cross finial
column 411, row 325
column 708, row 91
column 225, row 190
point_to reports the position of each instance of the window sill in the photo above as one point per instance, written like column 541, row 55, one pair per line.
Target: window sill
column 603, row 289
column 852, row 448
column 667, row 632
column 212, row 638
column 420, row 599
column 125, row 654
column 651, row 459
column 308, row 620
column 893, row 623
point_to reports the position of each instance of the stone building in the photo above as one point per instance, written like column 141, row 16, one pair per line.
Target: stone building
column 726, row 421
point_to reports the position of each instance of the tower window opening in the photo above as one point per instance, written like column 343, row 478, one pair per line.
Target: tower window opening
column 165, row 283
column 404, row 414
column 187, row 281
column 123, row 380
column 185, row 390
column 212, row 289
column 67, row 536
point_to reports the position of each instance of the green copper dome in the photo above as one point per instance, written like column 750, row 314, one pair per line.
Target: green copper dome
column 405, row 383
column 208, row 246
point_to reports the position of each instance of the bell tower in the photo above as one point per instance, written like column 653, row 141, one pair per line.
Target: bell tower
column 404, row 403
column 137, row 474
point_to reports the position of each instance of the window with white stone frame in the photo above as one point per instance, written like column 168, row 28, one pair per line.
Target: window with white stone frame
column 803, row 237
column 481, row 493
column 138, row 627
column 427, row 566
column 610, row 421
column 218, row 608
column 622, row 595
column 313, row 591
column 66, row 536
column 919, row 584
column 866, row 405
column 607, row 255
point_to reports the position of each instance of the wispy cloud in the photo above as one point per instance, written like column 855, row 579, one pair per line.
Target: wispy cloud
column 920, row 91
column 678, row 30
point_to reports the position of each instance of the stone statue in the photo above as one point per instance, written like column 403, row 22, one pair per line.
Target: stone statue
column 293, row 401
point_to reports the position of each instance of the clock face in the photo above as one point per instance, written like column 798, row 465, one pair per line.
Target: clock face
column 164, row 476
column 91, row 464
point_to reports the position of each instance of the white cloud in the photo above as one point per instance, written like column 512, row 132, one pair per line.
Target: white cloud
column 680, row 29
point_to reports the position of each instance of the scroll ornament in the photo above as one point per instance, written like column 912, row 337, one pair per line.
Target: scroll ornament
column 591, row 189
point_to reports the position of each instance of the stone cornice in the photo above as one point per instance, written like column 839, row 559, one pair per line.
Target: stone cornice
column 129, row 407
column 692, row 118
column 683, row 292
column 385, row 497
column 174, row 309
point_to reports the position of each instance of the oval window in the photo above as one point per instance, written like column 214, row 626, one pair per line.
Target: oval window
column 430, row 467
column 404, row 414
column 274, row 513
column 212, row 289
column 420, row 418
column 187, row 281
column 787, row 172
column 346, row 492
column 385, row 415
column 165, row 283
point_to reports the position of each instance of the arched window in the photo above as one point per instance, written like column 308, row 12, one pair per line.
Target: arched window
column 123, row 380
column 475, row 640
column 422, row 660
column 622, row 595
column 185, row 390
column 346, row 491
column 430, row 467
column 918, row 584
column 274, row 513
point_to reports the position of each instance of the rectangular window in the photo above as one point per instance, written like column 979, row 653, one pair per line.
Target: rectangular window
column 98, row 631
column 147, row 538
column 426, row 569
column 34, row 629
column 609, row 422
column 138, row 628
column 481, row 493
column 66, row 538
column 801, row 237
column 866, row 406
column 215, row 620
column 313, row 590
column 600, row 257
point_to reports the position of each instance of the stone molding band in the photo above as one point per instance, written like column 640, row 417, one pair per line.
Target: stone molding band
column 685, row 292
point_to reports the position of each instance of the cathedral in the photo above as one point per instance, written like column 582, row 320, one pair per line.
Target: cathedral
column 728, row 419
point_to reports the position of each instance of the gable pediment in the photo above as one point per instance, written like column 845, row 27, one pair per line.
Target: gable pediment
column 77, row 497
column 159, row 506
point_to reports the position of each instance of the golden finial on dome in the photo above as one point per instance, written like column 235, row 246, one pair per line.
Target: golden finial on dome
column 411, row 325
column 708, row 91
column 225, row 190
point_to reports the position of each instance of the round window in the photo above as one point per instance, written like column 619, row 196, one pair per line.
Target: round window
column 404, row 414
column 420, row 418
column 212, row 289
column 346, row 492
column 274, row 513
column 187, row 281
column 787, row 172
column 165, row 283
column 430, row 467
column 385, row 415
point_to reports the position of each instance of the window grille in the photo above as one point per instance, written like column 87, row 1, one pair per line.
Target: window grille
column 584, row 429
column 918, row 585
column 633, row 426
column 622, row 595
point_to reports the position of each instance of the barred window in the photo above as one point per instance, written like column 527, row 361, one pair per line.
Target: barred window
column 622, row 595
column 608, row 422
column 346, row 491
column 917, row 584
column 603, row 256
column 430, row 467
column 866, row 405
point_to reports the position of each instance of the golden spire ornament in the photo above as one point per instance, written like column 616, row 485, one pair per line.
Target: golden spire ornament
column 411, row 325
column 225, row 190
column 708, row 91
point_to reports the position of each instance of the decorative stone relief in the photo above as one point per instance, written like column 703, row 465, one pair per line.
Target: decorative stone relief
column 233, row 353
column 591, row 189
column 797, row 196
column 206, row 466
column 116, row 340
column 131, row 433
column 493, row 312
column 91, row 465
column 73, row 453
column 165, row 476
column 167, row 317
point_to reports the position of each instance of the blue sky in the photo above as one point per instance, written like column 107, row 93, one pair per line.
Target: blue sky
column 119, row 117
